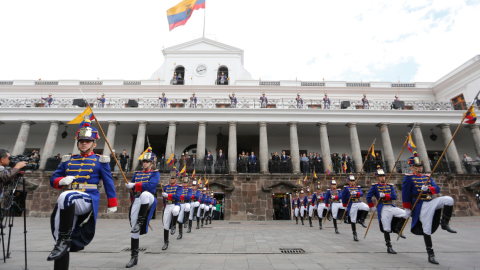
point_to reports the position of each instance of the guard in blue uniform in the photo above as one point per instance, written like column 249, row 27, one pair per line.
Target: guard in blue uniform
column 299, row 101
column 163, row 101
column 142, row 194
column 233, row 100
column 319, row 201
column 326, row 102
column 102, row 100
column 75, row 214
column 208, row 206
column 202, row 200
column 193, row 101
column 171, row 206
column 263, row 100
column 48, row 100
column 334, row 204
column 365, row 102
column 194, row 205
column 303, row 205
column 310, row 205
column 296, row 207
column 184, row 206
column 214, row 205
column 428, row 211
column 389, row 215
column 357, row 210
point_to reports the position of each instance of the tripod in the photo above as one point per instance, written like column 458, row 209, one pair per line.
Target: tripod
column 8, row 210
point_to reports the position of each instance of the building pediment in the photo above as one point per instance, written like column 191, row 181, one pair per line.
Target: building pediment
column 201, row 45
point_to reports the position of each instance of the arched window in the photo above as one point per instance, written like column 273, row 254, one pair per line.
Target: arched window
column 222, row 76
column 178, row 76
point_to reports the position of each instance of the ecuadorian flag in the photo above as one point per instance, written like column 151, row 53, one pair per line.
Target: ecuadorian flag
column 471, row 117
column 179, row 14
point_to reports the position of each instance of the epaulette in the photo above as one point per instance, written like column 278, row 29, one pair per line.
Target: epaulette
column 104, row 159
column 328, row 189
column 373, row 184
column 154, row 170
column 408, row 174
column 66, row 158
column 426, row 174
column 390, row 184
column 359, row 186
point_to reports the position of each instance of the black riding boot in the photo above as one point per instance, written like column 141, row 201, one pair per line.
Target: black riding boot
column 64, row 240
column 195, row 213
column 173, row 225
column 398, row 227
column 354, row 230
column 180, row 231
column 345, row 218
column 310, row 220
column 301, row 218
column 198, row 224
column 447, row 214
column 329, row 215
column 134, row 247
column 202, row 221
column 165, row 239
column 211, row 218
column 428, row 244
column 62, row 263
column 388, row 243
column 335, row 225
column 296, row 219
column 362, row 217
column 142, row 216
column 185, row 218
column 320, row 222
column 189, row 230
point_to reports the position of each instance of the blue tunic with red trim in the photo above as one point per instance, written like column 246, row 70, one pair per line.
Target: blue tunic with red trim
column 303, row 201
column 346, row 193
column 186, row 195
column 296, row 203
column 390, row 196
column 145, row 181
column 330, row 193
column 411, row 189
column 196, row 195
column 174, row 192
column 86, row 169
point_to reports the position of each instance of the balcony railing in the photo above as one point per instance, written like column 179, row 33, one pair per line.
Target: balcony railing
column 243, row 103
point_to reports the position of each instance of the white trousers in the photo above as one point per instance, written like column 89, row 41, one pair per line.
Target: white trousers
column 168, row 211
column 335, row 206
column 297, row 211
column 207, row 209
column 192, row 210
column 202, row 206
column 320, row 208
column 310, row 211
column 388, row 212
column 428, row 210
column 83, row 205
column 144, row 198
column 354, row 210
column 184, row 207
column 302, row 211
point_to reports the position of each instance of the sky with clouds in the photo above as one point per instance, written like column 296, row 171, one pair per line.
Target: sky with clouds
column 416, row 40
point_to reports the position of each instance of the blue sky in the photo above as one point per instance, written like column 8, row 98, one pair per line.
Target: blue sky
column 309, row 40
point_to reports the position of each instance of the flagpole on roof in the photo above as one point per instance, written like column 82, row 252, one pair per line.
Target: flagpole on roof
column 204, row 12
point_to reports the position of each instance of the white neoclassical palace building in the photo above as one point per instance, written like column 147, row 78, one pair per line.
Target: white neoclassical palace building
column 197, row 66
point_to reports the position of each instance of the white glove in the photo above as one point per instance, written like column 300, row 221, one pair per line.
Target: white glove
column 66, row 181
column 353, row 193
column 333, row 197
column 374, row 209
column 408, row 212
column 382, row 194
column 424, row 188
column 130, row 185
column 165, row 195
column 111, row 210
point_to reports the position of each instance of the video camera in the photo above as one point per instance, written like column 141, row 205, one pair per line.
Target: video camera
column 31, row 165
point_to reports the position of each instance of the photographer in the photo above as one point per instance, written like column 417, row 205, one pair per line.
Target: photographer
column 7, row 176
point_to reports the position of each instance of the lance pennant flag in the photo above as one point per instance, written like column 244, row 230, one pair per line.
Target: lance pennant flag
column 77, row 120
column 183, row 171
column 170, row 160
column 314, row 174
column 193, row 175
column 471, row 117
column 179, row 14
column 410, row 143
column 328, row 170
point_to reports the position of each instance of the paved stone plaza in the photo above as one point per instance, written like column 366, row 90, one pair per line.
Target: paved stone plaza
column 253, row 245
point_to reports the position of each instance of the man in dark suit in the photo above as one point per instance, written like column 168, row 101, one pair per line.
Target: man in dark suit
column 220, row 161
column 123, row 159
column 276, row 162
column 208, row 160
column 252, row 162
column 285, row 207
column 284, row 160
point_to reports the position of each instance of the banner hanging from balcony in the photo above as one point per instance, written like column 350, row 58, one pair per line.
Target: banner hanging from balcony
column 179, row 14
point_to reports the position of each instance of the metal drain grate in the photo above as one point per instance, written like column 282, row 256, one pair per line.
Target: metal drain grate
column 139, row 249
column 234, row 222
column 292, row 250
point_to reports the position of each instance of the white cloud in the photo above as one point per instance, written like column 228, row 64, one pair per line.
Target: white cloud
column 346, row 40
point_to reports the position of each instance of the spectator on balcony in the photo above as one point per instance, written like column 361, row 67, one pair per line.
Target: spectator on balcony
column 233, row 100
column 436, row 159
column 311, row 161
column 242, row 162
column 163, row 101
column 193, row 159
column 124, row 159
column 193, row 101
column 112, row 160
column 175, row 78
column 365, row 102
column 220, row 161
column 326, row 102
column 252, row 162
column 57, row 157
column 467, row 161
column 162, row 161
column 337, row 162
column 305, row 163
column 102, row 100
column 209, row 159
column 378, row 161
column 276, row 163
column 48, row 101
column 299, row 101
column 264, row 100
column 396, row 99
column 284, row 162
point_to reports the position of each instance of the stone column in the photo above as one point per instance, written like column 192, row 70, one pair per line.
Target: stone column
column 324, row 145
column 263, row 155
column 140, row 144
column 232, row 146
column 22, row 138
column 355, row 144
column 452, row 149
column 201, row 141
column 112, row 128
column 170, row 149
column 476, row 136
column 294, row 148
column 49, row 143
column 387, row 145
column 421, row 149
